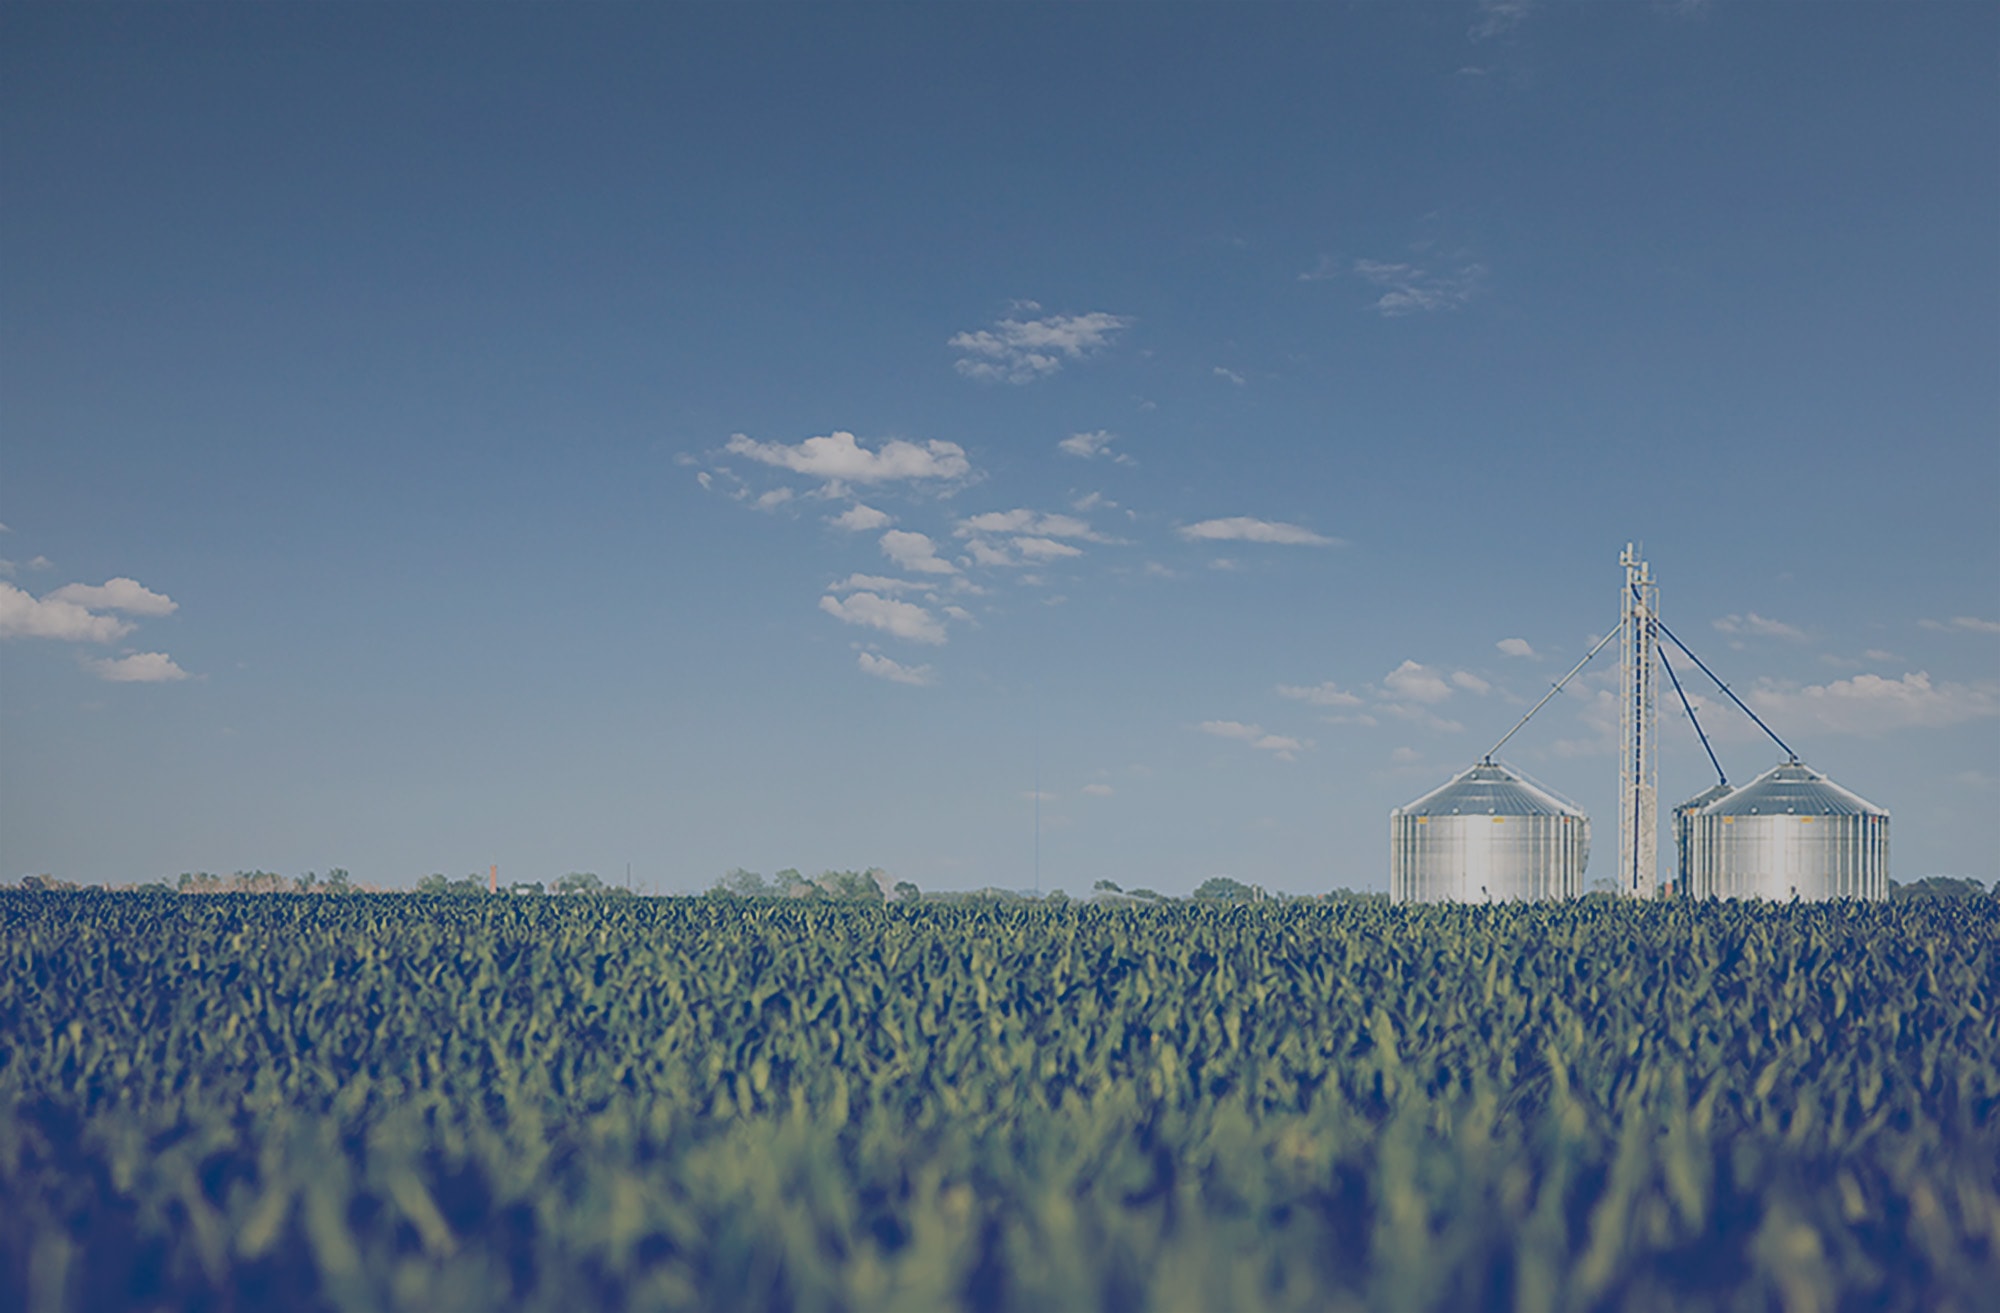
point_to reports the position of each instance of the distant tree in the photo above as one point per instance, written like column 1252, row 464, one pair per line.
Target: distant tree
column 336, row 882
column 306, row 883
column 470, row 886
column 1148, row 894
column 526, row 890
column 153, row 887
column 1056, row 897
column 198, row 882
column 850, row 886
column 1939, row 886
column 580, row 882
column 788, row 883
column 907, row 892
column 739, row 883
column 47, row 884
column 1344, row 895
column 1222, row 889
column 1106, row 887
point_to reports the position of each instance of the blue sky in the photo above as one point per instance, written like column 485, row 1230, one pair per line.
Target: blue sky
column 698, row 437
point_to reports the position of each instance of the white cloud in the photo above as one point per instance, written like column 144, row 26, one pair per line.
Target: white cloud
column 1408, row 289
column 120, row 594
column 895, row 671
column 1328, row 694
column 1465, row 679
column 1418, row 683
column 1022, row 520
column 985, row 553
column 879, row 583
column 23, row 616
column 139, row 668
column 1228, row 374
column 1279, row 745
column 1089, row 446
column 1099, row 790
column 903, row 619
column 1872, row 704
column 839, row 458
column 1968, row 623
column 915, row 552
column 776, row 497
column 1243, row 528
column 1044, row 549
column 861, row 519
column 1022, row 350
column 1405, row 757
column 1762, row 626
column 1515, row 647
column 40, row 563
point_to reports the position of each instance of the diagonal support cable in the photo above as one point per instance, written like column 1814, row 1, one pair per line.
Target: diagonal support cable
column 1783, row 746
column 1557, row 688
column 1688, row 707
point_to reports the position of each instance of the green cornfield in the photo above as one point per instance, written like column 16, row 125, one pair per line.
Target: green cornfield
column 395, row 1102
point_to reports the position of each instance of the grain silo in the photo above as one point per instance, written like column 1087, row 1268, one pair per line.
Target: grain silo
column 1684, row 830
column 1489, row 835
column 1790, row 833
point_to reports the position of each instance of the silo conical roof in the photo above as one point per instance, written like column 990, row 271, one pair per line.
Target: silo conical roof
column 1793, row 787
column 1490, row 789
column 1713, row 793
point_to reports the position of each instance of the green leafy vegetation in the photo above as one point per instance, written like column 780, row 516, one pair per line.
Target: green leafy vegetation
column 446, row 1103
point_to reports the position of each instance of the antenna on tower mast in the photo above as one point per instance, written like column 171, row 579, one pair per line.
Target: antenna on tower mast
column 1638, row 729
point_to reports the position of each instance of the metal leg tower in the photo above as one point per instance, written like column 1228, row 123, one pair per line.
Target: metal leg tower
column 1638, row 726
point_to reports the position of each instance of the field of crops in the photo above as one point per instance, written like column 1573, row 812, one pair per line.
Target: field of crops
column 240, row 1102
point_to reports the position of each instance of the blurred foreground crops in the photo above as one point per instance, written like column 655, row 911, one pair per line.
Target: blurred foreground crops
column 245, row 1102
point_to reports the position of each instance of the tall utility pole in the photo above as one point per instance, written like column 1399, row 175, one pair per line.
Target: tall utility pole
column 1638, row 731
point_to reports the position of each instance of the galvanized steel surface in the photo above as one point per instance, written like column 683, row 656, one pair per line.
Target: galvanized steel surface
column 1488, row 835
column 1684, row 834
column 1789, row 833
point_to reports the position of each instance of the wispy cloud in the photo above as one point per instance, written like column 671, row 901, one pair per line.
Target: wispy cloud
column 1092, row 446
column 1244, row 528
column 874, row 611
column 895, row 671
column 1762, row 626
column 1499, row 17
column 839, row 458
column 1964, row 623
column 1328, row 694
column 138, row 668
column 1873, row 704
column 1325, row 268
column 876, row 583
column 1515, row 647
column 1283, row 747
column 1229, row 374
column 1022, row 350
column 1409, row 289
column 1099, row 790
